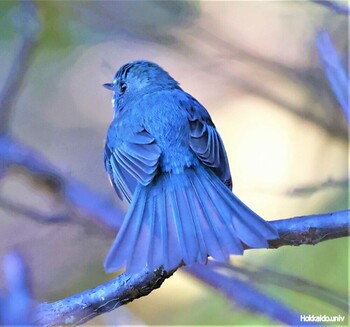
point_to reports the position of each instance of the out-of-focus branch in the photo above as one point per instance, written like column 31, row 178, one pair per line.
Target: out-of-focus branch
column 234, row 51
column 75, row 194
column 261, row 275
column 306, row 114
column 125, row 288
column 7, row 204
column 334, row 70
column 338, row 7
column 219, row 67
column 246, row 296
column 16, row 303
column 29, row 30
column 310, row 189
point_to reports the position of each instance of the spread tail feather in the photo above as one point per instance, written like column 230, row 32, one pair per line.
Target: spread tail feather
column 185, row 218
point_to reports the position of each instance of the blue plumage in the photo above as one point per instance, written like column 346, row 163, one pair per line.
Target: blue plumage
column 165, row 157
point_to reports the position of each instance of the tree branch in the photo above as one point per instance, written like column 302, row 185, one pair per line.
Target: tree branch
column 84, row 306
column 125, row 288
column 29, row 26
column 311, row 229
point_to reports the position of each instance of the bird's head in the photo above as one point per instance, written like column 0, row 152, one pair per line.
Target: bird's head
column 137, row 78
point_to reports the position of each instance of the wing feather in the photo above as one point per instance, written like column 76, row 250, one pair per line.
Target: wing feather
column 206, row 142
column 131, row 159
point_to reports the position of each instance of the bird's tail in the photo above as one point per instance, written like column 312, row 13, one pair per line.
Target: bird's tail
column 185, row 218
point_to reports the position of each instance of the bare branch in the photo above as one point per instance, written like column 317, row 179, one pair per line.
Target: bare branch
column 126, row 288
column 29, row 35
column 311, row 229
column 84, row 306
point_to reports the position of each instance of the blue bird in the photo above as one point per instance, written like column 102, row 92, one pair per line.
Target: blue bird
column 165, row 157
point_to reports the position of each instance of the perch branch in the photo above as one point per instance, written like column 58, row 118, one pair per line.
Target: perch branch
column 84, row 306
column 311, row 229
column 125, row 288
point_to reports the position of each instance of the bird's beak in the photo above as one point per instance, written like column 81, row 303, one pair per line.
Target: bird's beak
column 108, row 86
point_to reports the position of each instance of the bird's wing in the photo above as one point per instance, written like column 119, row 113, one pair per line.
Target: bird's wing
column 206, row 142
column 130, row 160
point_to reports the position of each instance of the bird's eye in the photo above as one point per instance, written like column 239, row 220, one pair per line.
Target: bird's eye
column 122, row 88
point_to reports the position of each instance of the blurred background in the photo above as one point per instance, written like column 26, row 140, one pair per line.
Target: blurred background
column 253, row 65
